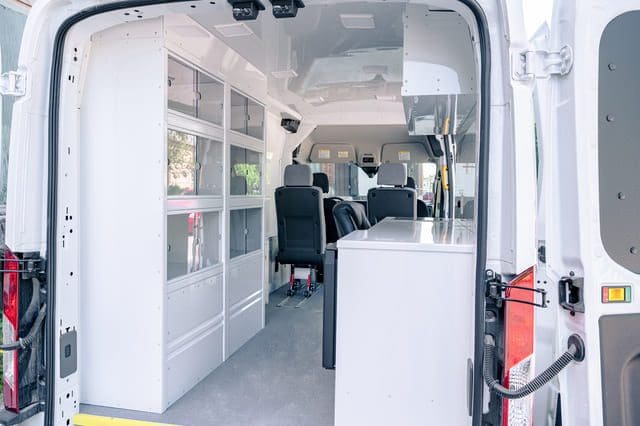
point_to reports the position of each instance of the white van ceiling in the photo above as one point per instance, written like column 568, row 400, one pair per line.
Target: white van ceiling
column 338, row 65
column 337, row 56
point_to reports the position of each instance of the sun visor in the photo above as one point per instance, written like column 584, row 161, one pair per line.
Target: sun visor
column 332, row 153
column 404, row 153
column 439, row 90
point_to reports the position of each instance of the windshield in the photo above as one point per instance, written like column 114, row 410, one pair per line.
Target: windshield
column 350, row 182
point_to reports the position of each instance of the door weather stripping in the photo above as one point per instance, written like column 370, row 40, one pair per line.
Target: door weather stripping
column 541, row 64
column 13, row 83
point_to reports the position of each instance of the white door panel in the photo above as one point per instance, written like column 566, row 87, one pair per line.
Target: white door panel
column 569, row 122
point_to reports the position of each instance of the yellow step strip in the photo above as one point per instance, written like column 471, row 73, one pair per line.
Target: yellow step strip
column 91, row 420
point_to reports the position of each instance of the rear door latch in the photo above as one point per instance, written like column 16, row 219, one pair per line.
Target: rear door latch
column 570, row 294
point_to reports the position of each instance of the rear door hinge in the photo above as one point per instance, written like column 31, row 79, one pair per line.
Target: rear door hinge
column 13, row 83
column 499, row 291
column 541, row 64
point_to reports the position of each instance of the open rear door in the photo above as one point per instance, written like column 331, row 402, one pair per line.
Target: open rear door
column 589, row 125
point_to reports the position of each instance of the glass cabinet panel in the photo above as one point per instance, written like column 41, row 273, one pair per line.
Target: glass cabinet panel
column 182, row 87
column 210, row 105
column 247, row 116
column 245, row 172
column 255, row 119
column 181, row 153
column 195, row 165
column 210, row 165
column 193, row 242
column 254, row 230
column 238, row 112
column 246, row 231
column 208, row 239
column 180, row 245
column 194, row 93
column 236, row 233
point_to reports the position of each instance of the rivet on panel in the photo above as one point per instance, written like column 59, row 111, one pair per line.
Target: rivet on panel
column 633, row 250
column 610, row 118
column 612, row 67
column 622, row 196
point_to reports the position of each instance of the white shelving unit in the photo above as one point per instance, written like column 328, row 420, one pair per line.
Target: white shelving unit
column 173, row 203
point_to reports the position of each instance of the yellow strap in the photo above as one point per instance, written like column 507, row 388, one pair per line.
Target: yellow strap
column 91, row 420
column 445, row 178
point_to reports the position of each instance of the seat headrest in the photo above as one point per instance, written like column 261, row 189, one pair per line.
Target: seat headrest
column 321, row 180
column 411, row 182
column 392, row 174
column 298, row 175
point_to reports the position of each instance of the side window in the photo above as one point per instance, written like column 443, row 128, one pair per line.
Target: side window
column 12, row 20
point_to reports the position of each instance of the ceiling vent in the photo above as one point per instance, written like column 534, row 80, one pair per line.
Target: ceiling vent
column 361, row 21
column 233, row 30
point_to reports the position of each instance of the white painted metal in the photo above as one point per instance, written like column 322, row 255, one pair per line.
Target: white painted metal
column 12, row 83
column 122, row 261
column 570, row 181
column 511, row 201
column 193, row 304
column 183, row 324
column 541, row 64
column 404, row 323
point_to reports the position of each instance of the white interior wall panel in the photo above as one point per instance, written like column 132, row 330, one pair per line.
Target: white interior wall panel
column 122, row 216
column 138, row 329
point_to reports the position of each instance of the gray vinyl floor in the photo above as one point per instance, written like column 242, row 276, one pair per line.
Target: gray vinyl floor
column 274, row 379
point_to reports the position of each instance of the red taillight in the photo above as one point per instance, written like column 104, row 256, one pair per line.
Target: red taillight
column 518, row 349
column 10, row 307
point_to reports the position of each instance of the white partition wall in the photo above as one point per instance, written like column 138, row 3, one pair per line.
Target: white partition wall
column 172, row 200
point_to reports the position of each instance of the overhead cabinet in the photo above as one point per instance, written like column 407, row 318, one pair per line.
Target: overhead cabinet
column 173, row 204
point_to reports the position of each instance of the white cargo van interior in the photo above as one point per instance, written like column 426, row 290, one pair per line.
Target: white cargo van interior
column 144, row 272
column 171, row 148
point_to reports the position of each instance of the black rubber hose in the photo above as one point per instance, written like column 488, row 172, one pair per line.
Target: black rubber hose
column 32, row 309
column 26, row 341
column 535, row 384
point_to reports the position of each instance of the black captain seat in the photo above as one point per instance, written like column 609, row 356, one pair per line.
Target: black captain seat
column 301, row 227
column 350, row 216
column 393, row 199
column 321, row 180
column 423, row 210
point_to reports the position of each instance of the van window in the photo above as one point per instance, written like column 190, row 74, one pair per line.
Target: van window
column 10, row 37
column 350, row 181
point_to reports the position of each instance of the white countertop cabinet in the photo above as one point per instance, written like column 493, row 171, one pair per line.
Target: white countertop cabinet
column 404, row 339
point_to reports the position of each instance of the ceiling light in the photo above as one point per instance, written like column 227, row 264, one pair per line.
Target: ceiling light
column 361, row 21
column 233, row 30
